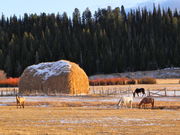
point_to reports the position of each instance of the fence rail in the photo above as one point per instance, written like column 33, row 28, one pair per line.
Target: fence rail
column 8, row 91
column 163, row 92
column 100, row 90
column 127, row 91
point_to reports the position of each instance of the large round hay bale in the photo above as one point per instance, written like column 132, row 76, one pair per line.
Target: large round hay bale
column 61, row 77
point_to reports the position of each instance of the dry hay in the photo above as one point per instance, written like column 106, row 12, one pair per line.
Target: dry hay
column 62, row 77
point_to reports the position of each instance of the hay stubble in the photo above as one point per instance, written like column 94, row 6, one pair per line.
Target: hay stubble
column 88, row 120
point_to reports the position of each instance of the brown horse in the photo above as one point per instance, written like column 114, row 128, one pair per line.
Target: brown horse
column 147, row 100
column 20, row 101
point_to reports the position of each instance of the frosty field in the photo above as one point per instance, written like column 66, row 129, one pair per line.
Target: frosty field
column 92, row 114
column 88, row 115
column 80, row 120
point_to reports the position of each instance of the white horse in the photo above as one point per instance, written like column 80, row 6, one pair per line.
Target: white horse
column 124, row 101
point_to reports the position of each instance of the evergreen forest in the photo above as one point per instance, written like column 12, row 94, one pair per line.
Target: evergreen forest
column 106, row 41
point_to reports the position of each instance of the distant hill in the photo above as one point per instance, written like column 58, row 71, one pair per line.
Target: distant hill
column 173, row 4
column 161, row 73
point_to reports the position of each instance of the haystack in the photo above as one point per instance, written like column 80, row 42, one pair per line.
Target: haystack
column 54, row 77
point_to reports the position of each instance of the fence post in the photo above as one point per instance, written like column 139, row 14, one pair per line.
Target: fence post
column 165, row 90
column 149, row 93
column 93, row 89
column 174, row 92
column 14, row 91
column 102, row 90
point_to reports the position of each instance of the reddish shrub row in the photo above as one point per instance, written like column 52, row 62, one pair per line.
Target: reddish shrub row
column 147, row 80
column 10, row 81
column 121, row 81
column 112, row 81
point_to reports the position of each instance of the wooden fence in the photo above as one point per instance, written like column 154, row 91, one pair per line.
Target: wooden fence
column 101, row 90
column 110, row 91
column 8, row 91
column 128, row 91
column 163, row 92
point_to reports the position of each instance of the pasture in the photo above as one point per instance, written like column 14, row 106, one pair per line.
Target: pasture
column 88, row 115
column 93, row 114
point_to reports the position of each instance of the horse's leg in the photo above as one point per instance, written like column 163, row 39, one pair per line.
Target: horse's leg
column 144, row 93
column 17, row 105
column 152, row 104
column 138, row 94
column 126, row 104
column 122, row 104
column 134, row 93
column 140, row 105
column 118, row 105
column 131, row 103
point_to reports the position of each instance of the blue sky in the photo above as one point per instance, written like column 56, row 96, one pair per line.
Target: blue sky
column 19, row 7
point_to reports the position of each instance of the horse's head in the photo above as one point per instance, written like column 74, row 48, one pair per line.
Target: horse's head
column 140, row 104
column 143, row 92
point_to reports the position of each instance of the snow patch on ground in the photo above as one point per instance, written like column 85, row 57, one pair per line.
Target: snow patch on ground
column 103, row 120
column 173, row 72
column 8, row 99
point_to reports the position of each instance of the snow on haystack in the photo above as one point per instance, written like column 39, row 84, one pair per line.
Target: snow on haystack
column 62, row 76
column 50, row 69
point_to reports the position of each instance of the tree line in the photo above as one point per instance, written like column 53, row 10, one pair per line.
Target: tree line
column 108, row 41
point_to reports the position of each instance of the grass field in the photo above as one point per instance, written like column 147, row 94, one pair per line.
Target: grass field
column 91, row 115
column 90, row 119
column 168, row 81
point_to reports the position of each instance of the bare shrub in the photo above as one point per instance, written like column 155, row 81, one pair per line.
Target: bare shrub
column 2, row 75
column 110, row 81
column 147, row 80
column 131, row 81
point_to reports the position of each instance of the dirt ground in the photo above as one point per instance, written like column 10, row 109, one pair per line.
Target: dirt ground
column 88, row 117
